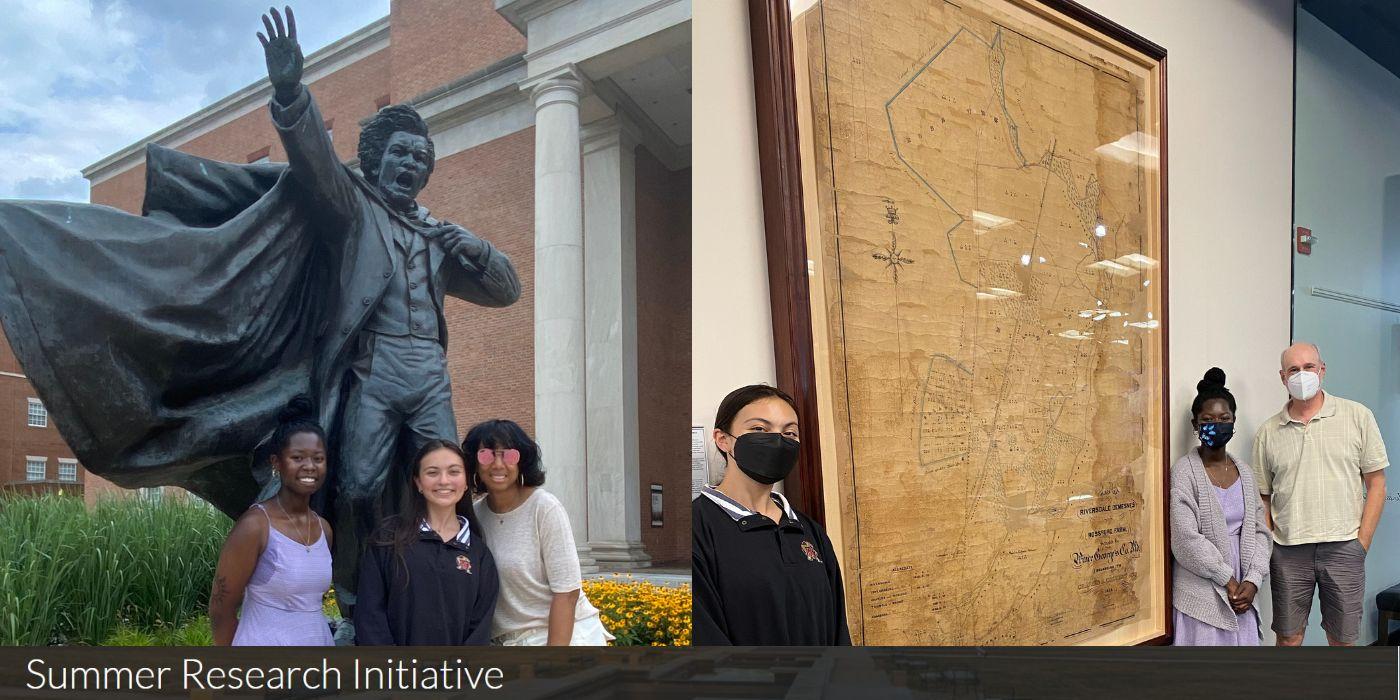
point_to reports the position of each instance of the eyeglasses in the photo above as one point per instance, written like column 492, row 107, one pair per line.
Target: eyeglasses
column 485, row 457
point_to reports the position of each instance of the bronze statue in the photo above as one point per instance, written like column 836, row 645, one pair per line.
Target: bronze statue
column 164, row 345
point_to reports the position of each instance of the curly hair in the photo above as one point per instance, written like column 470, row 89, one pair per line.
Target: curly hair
column 1211, row 386
column 374, row 138
column 500, row 435
column 298, row 416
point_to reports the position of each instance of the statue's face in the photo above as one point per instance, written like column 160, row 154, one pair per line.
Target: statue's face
column 403, row 171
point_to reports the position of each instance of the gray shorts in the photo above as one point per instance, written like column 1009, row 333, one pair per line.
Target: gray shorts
column 1338, row 569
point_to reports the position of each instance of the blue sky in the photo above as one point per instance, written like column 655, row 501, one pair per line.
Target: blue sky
column 80, row 79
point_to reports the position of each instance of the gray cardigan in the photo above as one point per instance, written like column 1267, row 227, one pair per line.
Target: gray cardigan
column 1199, row 539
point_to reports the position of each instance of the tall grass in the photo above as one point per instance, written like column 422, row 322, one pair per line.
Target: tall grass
column 35, row 561
column 72, row 575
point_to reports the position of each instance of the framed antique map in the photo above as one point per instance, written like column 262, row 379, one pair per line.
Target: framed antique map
column 966, row 212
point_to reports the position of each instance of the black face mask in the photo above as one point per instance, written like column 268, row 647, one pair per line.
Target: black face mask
column 1215, row 434
column 765, row 457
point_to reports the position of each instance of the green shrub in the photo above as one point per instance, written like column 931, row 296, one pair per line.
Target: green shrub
column 73, row 575
column 194, row 633
column 125, row 636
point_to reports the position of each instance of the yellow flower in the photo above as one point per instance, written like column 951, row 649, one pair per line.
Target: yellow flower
column 639, row 612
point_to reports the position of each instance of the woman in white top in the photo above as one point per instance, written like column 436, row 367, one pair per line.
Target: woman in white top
column 541, row 600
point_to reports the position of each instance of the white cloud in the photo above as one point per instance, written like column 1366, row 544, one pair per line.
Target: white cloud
column 85, row 78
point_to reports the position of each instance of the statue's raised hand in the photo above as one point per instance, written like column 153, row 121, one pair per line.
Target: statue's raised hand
column 283, row 54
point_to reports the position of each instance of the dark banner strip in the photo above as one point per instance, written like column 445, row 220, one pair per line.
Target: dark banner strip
column 1369, row 672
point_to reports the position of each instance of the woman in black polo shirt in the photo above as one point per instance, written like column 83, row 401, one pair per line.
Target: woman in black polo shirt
column 763, row 573
column 428, row 578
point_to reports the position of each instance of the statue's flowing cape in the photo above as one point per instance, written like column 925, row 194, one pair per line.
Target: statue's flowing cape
column 164, row 345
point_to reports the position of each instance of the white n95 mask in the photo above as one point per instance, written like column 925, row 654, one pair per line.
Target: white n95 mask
column 1304, row 385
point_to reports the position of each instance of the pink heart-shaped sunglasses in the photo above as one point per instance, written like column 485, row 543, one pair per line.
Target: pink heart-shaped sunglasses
column 486, row 457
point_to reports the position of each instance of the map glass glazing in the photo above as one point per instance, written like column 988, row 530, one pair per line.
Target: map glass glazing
column 983, row 206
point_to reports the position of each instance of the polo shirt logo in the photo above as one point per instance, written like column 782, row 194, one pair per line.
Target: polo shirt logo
column 810, row 551
column 465, row 564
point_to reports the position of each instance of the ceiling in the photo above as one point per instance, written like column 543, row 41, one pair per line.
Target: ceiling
column 1373, row 26
column 660, row 87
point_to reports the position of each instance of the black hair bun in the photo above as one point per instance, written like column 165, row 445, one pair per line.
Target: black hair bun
column 300, row 408
column 1215, row 377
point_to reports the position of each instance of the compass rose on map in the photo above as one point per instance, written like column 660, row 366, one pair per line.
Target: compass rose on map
column 892, row 255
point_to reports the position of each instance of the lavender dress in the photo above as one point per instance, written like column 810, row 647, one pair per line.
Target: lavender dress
column 1193, row 632
column 282, row 603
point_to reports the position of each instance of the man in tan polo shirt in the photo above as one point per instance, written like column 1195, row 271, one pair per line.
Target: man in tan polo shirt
column 1320, row 463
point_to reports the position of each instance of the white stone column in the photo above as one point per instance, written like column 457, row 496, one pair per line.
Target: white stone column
column 610, row 285
column 559, row 300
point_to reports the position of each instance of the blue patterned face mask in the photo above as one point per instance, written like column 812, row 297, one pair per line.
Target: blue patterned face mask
column 1215, row 434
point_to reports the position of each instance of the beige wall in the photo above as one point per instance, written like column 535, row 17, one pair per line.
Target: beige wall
column 1230, row 128
column 731, row 326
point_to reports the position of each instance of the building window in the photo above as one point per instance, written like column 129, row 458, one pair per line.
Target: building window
column 36, row 468
column 38, row 415
column 152, row 493
column 67, row 470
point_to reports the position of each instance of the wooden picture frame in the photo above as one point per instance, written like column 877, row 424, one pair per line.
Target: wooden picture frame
column 798, row 356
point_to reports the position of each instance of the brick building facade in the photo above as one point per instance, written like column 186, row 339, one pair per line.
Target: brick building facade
column 33, row 456
column 471, row 68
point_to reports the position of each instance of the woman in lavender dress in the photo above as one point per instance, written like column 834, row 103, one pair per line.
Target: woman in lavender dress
column 276, row 563
column 1220, row 541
